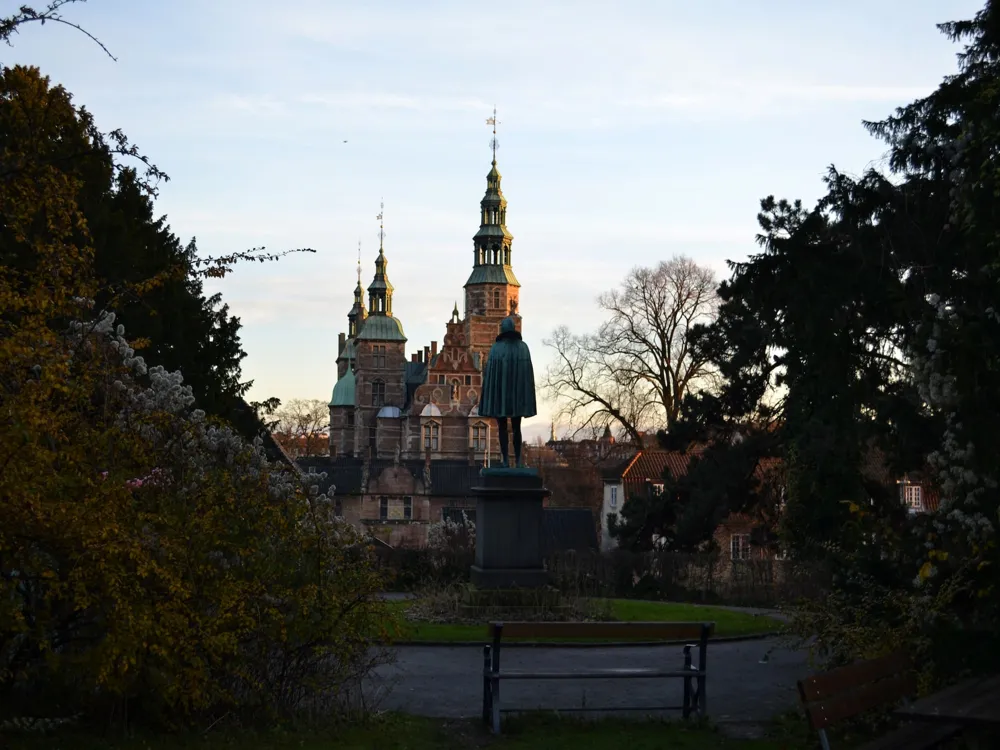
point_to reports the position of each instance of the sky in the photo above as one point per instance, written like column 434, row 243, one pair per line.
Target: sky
column 630, row 131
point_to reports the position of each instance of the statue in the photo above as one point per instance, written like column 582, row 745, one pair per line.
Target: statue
column 508, row 387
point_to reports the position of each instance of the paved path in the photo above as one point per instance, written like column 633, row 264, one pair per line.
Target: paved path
column 446, row 681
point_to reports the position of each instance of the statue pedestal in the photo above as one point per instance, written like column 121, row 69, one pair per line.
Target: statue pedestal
column 509, row 530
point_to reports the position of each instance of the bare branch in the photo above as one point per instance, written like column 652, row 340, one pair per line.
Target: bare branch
column 637, row 368
column 302, row 427
column 218, row 267
column 25, row 14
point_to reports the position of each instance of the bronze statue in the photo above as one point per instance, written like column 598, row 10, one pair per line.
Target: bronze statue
column 508, row 387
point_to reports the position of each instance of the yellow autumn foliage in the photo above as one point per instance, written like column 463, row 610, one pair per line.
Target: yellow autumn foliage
column 150, row 562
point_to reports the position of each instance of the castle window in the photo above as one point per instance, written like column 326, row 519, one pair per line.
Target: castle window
column 379, row 356
column 373, row 438
column 350, row 418
column 479, row 434
column 432, row 433
column 383, row 508
column 378, row 393
column 496, row 298
column 913, row 496
column 468, row 380
column 739, row 546
column 408, row 508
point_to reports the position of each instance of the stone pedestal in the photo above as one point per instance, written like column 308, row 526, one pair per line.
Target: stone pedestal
column 509, row 529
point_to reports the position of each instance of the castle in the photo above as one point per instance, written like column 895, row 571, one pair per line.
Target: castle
column 385, row 405
column 406, row 438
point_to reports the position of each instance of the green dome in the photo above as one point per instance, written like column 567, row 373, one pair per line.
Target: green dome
column 343, row 392
column 381, row 328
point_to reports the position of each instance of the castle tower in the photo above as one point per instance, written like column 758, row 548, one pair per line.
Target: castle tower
column 355, row 320
column 491, row 293
column 381, row 363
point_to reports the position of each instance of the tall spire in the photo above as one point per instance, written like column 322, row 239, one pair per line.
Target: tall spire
column 492, row 243
column 356, row 317
column 380, row 290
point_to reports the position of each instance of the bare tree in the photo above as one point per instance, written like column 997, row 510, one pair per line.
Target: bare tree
column 636, row 369
column 302, row 427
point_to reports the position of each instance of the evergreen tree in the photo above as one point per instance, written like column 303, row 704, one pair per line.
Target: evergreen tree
column 146, row 275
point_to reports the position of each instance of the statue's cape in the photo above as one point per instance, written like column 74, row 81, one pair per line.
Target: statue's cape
column 509, row 380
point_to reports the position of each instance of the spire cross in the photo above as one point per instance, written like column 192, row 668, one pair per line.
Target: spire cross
column 493, row 142
column 359, row 262
column 381, row 226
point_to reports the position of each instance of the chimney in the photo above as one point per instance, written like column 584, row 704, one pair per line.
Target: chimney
column 434, row 348
column 415, row 357
column 427, row 354
column 341, row 340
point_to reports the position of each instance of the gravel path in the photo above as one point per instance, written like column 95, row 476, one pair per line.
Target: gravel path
column 445, row 681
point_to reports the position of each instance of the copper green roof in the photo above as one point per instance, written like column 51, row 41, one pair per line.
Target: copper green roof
column 381, row 328
column 491, row 274
column 343, row 391
column 348, row 352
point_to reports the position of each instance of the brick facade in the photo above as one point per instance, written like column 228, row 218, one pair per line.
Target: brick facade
column 421, row 412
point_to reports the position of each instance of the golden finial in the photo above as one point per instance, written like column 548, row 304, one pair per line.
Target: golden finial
column 494, row 142
column 381, row 225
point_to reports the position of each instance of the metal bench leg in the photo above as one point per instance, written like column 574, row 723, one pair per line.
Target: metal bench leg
column 687, row 683
column 495, row 683
column 495, row 700
column 487, row 688
column 702, row 667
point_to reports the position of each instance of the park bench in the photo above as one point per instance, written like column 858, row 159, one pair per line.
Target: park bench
column 693, row 677
column 846, row 692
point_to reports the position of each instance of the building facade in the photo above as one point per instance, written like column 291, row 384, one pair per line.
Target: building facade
column 406, row 438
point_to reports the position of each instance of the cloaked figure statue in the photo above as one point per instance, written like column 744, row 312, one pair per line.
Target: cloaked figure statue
column 508, row 387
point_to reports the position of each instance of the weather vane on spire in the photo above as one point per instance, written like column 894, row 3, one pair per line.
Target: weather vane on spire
column 381, row 226
column 493, row 141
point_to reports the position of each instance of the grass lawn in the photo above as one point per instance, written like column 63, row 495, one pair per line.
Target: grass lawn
column 727, row 622
column 397, row 732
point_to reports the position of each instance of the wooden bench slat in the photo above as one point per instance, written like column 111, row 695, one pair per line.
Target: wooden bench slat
column 847, row 678
column 916, row 736
column 514, row 674
column 649, row 630
column 824, row 712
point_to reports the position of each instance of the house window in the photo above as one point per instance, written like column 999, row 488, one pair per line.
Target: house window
column 379, row 355
column 312, row 469
column 479, row 436
column 408, row 508
column 657, row 489
column 739, row 546
column 496, row 298
column 432, row 432
column 383, row 508
column 913, row 497
column 378, row 393
column 614, row 497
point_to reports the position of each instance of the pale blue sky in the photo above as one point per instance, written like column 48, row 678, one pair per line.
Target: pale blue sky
column 630, row 131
